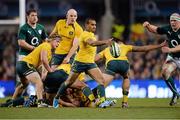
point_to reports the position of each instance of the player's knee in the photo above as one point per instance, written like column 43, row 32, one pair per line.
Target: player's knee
column 165, row 73
column 125, row 76
column 39, row 84
column 23, row 86
column 102, row 81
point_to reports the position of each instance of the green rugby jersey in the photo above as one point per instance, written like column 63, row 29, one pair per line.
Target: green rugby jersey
column 33, row 36
column 173, row 38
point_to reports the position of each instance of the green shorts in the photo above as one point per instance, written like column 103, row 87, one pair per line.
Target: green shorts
column 117, row 66
column 23, row 68
column 54, row 80
column 57, row 59
column 79, row 67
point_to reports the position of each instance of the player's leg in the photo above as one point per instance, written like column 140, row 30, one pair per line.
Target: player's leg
column 85, row 90
column 34, row 77
column 18, row 100
column 97, row 75
column 71, row 79
column 125, row 90
column 123, row 68
column 167, row 70
column 50, row 97
column 18, row 91
column 108, row 78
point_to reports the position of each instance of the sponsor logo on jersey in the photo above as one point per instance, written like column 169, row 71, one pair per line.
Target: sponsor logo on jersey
column 71, row 33
column 40, row 31
column 179, row 36
column 29, row 32
column 169, row 32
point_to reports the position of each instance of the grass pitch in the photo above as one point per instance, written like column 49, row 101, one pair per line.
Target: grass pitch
column 138, row 109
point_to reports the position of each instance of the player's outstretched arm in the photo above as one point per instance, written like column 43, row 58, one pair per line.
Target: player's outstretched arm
column 171, row 50
column 44, row 60
column 150, row 27
column 99, row 42
column 147, row 47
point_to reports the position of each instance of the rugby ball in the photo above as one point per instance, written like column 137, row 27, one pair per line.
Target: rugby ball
column 115, row 50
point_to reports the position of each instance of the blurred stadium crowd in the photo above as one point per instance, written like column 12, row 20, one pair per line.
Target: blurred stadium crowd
column 143, row 65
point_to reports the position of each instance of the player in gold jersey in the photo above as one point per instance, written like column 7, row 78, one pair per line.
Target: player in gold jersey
column 27, row 67
column 84, row 62
column 69, row 31
column 120, row 65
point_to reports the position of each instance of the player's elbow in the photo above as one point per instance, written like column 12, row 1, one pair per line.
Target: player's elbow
column 92, row 44
column 21, row 43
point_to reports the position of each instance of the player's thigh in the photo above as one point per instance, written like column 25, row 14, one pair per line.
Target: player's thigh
column 168, row 67
column 34, row 78
column 108, row 78
column 72, row 77
column 96, row 74
column 24, row 83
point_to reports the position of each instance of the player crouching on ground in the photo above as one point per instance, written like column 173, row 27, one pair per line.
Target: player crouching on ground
column 54, row 79
column 27, row 67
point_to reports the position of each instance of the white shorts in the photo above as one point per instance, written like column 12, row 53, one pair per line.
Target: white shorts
column 20, row 57
column 175, row 60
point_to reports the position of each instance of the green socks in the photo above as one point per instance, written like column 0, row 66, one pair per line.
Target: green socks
column 171, row 85
column 88, row 93
column 61, row 90
column 125, row 96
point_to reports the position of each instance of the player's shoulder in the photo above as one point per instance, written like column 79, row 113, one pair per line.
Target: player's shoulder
column 24, row 27
column 77, row 24
column 87, row 34
column 40, row 26
column 166, row 27
column 45, row 44
column 61, row 21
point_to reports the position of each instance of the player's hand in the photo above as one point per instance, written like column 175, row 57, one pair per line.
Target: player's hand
column 146, row 23
column 166, row 49
column 109, row 41
column 163, row 44
column 51, row 70
column 66, row 60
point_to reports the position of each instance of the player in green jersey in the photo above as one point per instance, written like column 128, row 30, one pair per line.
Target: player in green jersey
column 172, row 62
column 30, row 35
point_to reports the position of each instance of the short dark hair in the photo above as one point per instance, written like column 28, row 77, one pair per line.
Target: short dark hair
column 88, row 19
column 30, row 11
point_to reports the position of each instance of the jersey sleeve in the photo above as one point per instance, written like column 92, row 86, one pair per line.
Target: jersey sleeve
column 22, row 34
column 87, row 37
column 129, row 47
column 162, row 30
